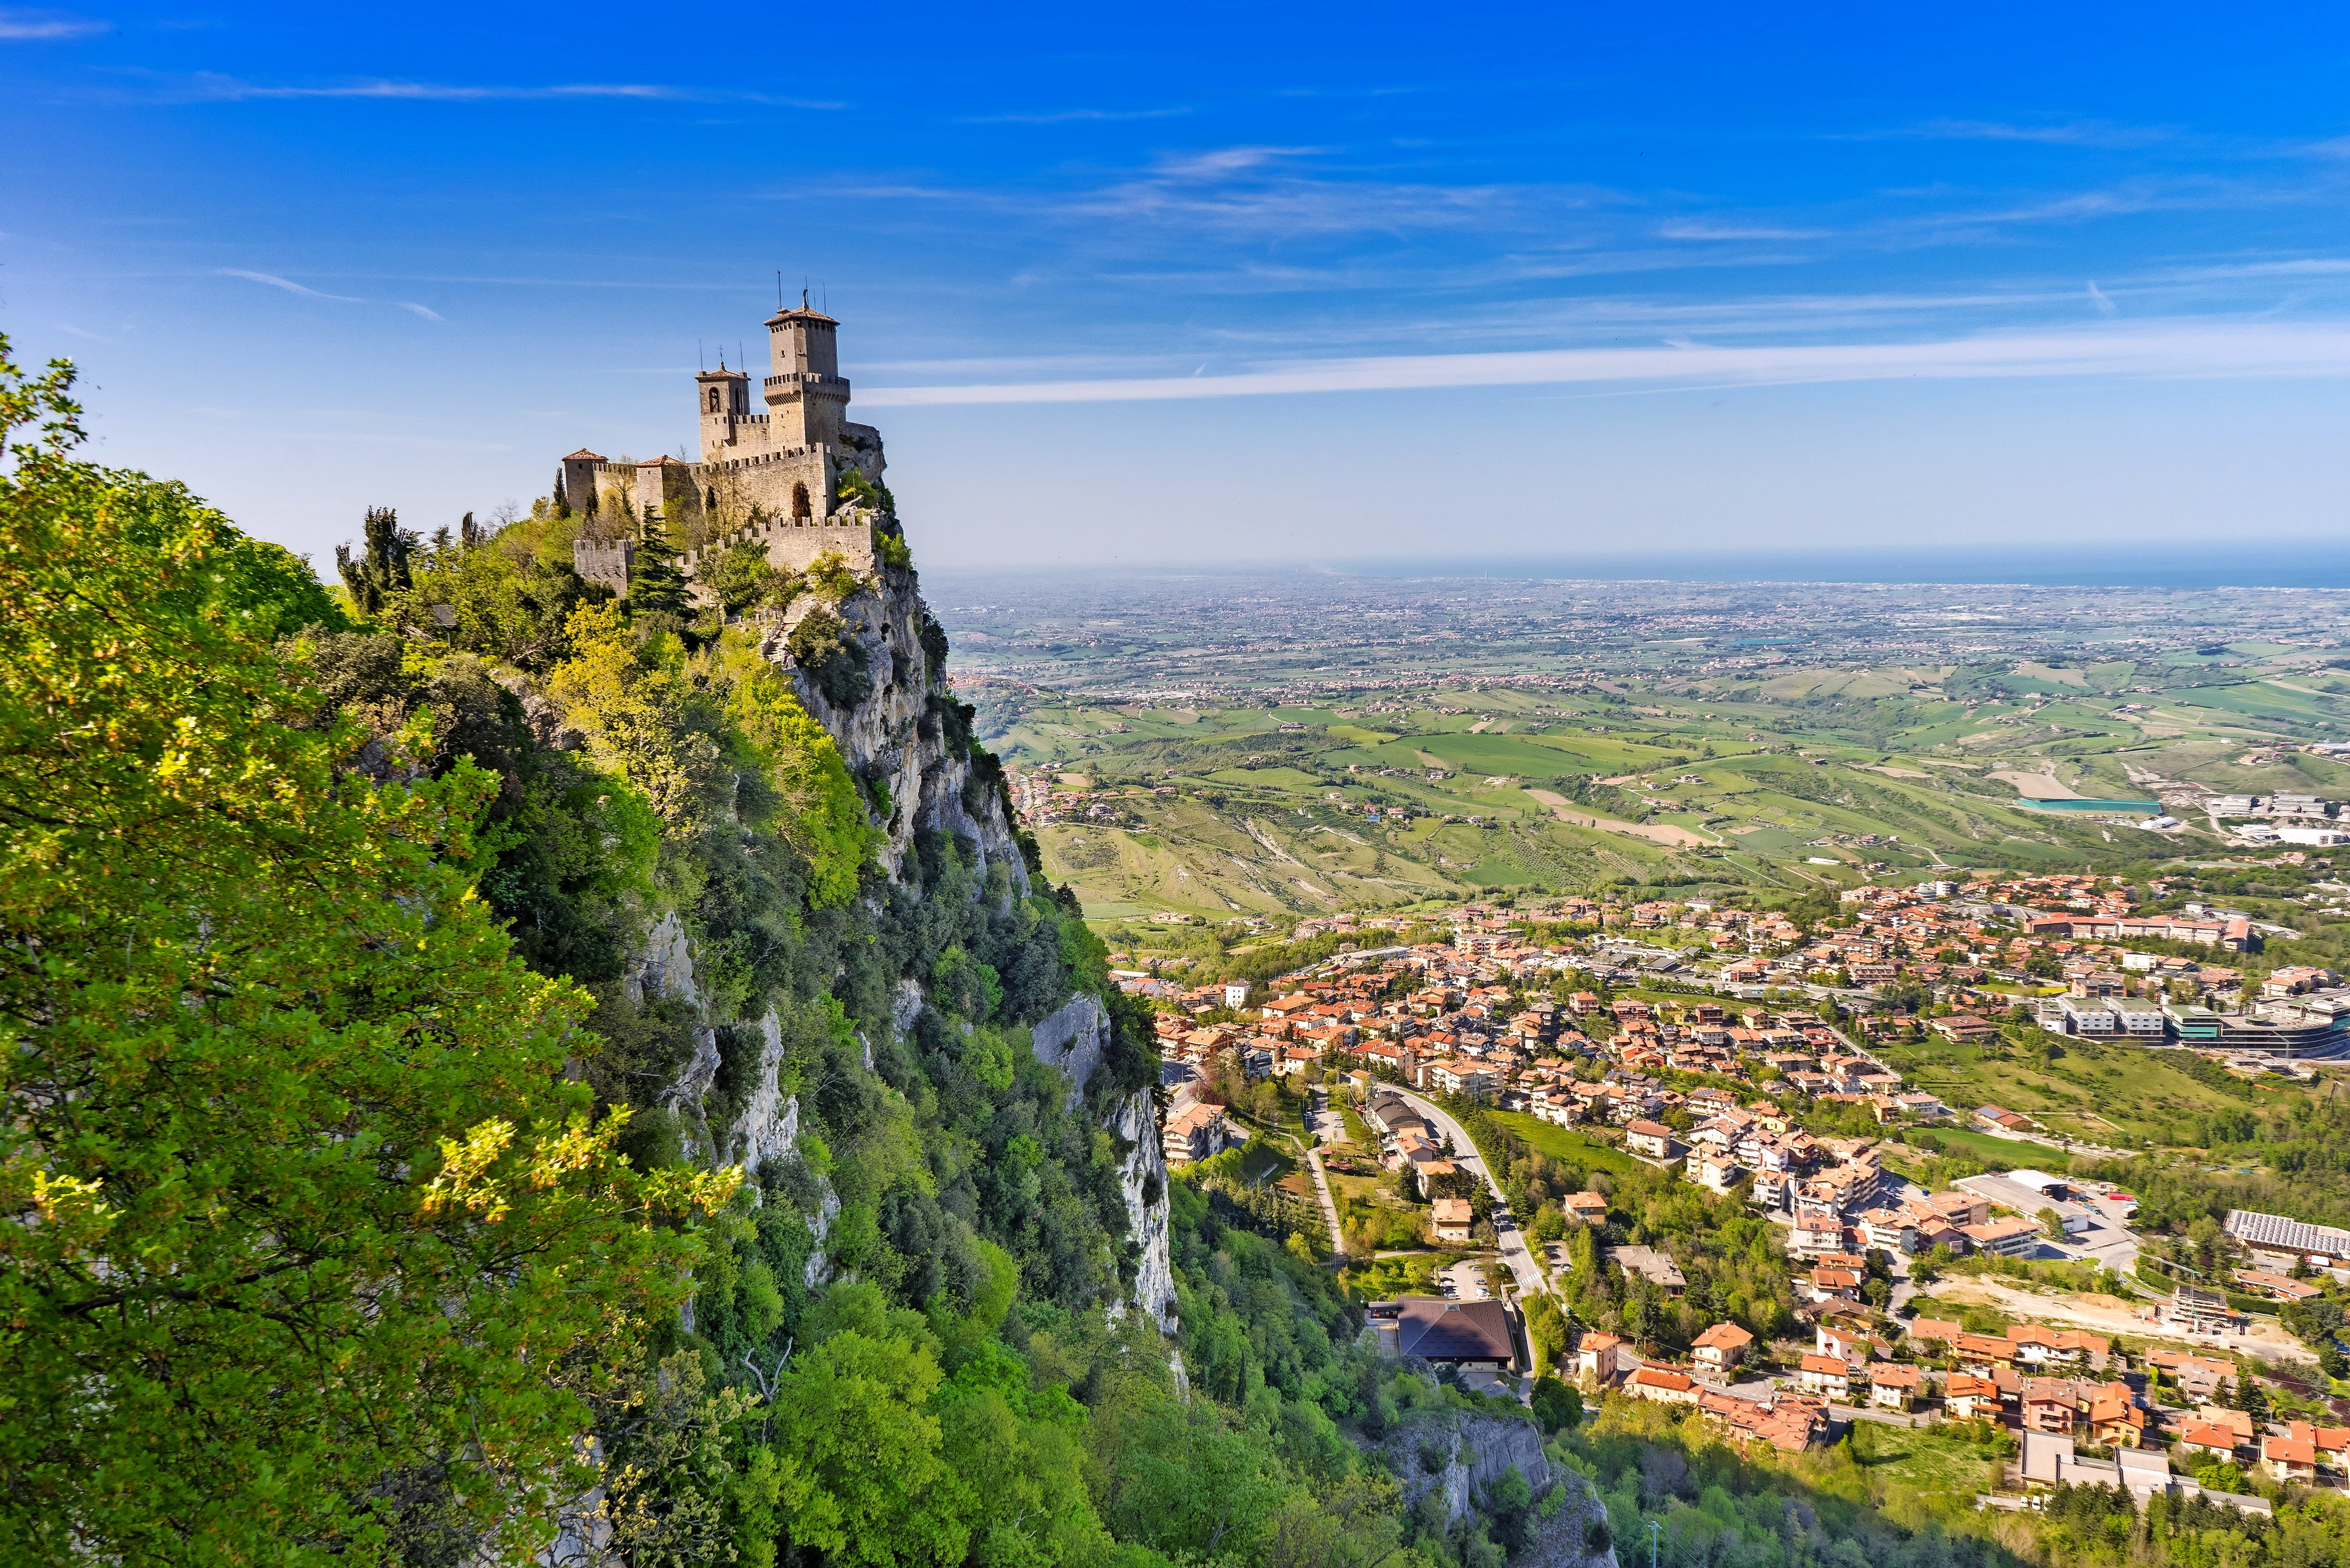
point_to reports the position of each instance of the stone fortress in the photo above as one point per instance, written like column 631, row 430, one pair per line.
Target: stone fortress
column 770, row 478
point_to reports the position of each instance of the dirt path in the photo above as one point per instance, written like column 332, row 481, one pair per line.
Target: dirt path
column 1655, row 832
column 2035, row 786
column 2110, row 1314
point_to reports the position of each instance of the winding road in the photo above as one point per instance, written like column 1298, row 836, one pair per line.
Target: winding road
column 1513, row 1244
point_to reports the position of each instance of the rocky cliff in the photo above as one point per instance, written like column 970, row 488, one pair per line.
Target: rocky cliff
column 1074, row 1040
column 908, row 731
column 1459, row 1458
column 908, row 734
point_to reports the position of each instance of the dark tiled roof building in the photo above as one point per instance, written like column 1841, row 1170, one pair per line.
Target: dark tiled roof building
column 1460, row 1333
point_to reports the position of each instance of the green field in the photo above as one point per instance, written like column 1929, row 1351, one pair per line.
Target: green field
column 1923, row 1460
column 2090, row 1091
column 1674, row 766
column 1564, row 1144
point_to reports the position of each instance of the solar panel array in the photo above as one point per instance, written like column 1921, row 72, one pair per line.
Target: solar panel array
column 2276, row 1230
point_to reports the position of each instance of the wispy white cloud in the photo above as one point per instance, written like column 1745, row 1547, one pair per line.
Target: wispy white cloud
column 2098, row 297
column 1701, row 229
column 306, row 291
column 1261, row 195
column 2151, row 351
column 288, row 285
column 1224, row 162
column 2229, row 272
column 1066, row 116
column 46, row 27
column 2071, row 134
column 211, row 86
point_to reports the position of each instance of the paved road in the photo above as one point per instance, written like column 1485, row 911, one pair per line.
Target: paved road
column 1329, row 1208
column 1875, row 1413
column 1522, row 1262
column 1326, row 1125
column 1323, row 1120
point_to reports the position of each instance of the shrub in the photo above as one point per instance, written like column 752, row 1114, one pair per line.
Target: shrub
column 821, row 645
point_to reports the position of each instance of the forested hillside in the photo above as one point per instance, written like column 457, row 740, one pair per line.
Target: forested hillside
column 496, row 1074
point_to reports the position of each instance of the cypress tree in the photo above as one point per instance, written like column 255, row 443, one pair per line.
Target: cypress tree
column 656, row 586
column 562, row 502
column 382, row 568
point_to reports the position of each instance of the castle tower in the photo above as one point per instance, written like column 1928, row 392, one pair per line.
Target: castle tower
column 724, row 397
column 806, row 394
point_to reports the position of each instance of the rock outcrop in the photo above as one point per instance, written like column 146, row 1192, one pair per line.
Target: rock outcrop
column 1074, row 1040
column 906, row 733
column 898, row 733
column 768, row 1131
column 1461, row 1457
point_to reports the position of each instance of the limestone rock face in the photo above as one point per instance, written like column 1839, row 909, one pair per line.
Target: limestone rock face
column 1459, row 1457
column 1142, row 1177
column 768, row 1131
column 896, row 733
column 665, row 967
column 899, row 734
column 1074, row 1040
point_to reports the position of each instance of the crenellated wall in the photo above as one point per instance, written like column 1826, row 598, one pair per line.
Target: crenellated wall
column 793, row 547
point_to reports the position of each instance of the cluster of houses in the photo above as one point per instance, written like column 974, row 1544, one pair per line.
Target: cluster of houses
column 1783, row 1419
column 2025, row 1377
column 2058, row 1388
column 1405, row 1140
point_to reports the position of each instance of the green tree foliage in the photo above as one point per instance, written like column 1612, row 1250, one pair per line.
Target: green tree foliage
column 493, row 595
column 381, row 568
column 1557, row 1406
column 857, row 489
column 836, row 660
column 302, row 1215
column 817, row 797
column 741, row 576
column 637, row 704
column 656, row 585
column 830, row 577
column 1185, row 1477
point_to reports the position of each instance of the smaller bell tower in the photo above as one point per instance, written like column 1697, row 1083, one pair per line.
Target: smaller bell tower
column 724, row 396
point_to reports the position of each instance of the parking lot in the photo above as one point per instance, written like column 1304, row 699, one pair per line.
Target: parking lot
column 2105, row 1241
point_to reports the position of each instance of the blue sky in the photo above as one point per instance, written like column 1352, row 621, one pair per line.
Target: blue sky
column 1224, row 284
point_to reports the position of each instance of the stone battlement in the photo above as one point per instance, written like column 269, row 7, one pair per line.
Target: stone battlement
column 749, row 460
column 605, row 564
column 848, row 532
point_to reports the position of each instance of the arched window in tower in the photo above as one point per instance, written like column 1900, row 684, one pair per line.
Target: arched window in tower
column 801, row 510
column 714, row 498
column 714, row 399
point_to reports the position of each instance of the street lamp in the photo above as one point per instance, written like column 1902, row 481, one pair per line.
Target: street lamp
column 1655, row 1528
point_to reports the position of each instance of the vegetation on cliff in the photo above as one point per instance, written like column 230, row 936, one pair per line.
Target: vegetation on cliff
column 400, row 984
column 304, row 1218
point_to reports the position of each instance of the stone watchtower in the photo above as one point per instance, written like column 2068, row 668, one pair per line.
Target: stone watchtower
column 806, row 396
column 770, row 478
